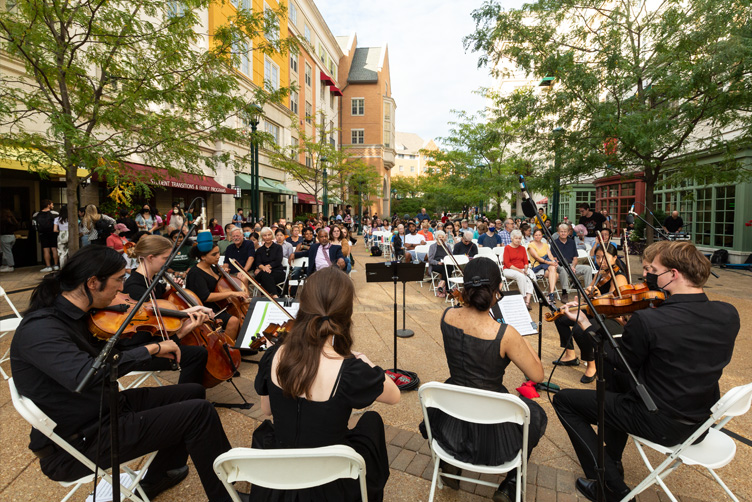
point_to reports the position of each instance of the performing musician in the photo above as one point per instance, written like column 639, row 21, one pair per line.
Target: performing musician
column 569, row 329
column 478, row 350
column 53, row 349
column 311, row 383
column 152, row 251
column 202, row 280
column 677, row 350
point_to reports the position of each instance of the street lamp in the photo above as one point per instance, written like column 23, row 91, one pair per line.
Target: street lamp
column 326, row 196
column 558, row 133
column 394, row 194
column 254, row 121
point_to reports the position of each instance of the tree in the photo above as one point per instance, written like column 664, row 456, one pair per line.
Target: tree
column 109, row 80
column 636, row 83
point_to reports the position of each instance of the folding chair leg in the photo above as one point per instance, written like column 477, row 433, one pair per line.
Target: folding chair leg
column 2, row 360
column 723, row 485
column 435, row 479
column 520, row 496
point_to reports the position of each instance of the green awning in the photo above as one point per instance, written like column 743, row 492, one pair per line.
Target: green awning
column 335, row 200
column 546, row 82
column 265, row 185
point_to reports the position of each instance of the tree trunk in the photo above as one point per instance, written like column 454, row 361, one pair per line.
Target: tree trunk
column 71, row 192
column 650, row 178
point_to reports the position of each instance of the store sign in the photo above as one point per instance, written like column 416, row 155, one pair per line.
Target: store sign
column 238, row 192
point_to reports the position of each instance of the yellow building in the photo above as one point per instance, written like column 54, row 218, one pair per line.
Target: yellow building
column 411, row 162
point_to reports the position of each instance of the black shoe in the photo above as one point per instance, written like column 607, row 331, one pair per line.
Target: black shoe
column 564, row 297
column 589, row 489
column 446, row 468
column 507, row 491
column 170, row 479
column 571, row 362
column 587, row 379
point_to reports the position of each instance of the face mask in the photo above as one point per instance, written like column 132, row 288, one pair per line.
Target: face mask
column 246, row 234
column 652, row 280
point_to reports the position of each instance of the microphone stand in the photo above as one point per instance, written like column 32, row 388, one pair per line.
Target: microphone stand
column 106, row 356
column 599, row 332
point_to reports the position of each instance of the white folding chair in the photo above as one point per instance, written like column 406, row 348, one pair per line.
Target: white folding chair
column 44, row 424
column 715, row 451
column 581, row 253
column 486, row 252
column 141, row 378
column 8, row 326
column 480, row 407
column 456, row 279
column 422, row 253
column 290, row 469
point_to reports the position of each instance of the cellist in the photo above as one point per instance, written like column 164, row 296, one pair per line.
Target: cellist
column 203, row 278
column 152, row 251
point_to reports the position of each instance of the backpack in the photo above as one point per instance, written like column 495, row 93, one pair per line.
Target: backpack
column 45, row 222
column 104, row 228
column 376, row 250
column 720, row 257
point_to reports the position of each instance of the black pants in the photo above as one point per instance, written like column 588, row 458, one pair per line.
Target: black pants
column 625, row 414
column 175, row 420
column 269, row 281
column 568, row 329
column 192, row 359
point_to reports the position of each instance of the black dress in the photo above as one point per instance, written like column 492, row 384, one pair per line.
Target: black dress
column 475, row 362
column 299, row 423
column 272, row 255
column 204, row 284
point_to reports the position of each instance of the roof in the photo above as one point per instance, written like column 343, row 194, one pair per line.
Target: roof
column 408, row 142
column 344, row 43
column 365, row 66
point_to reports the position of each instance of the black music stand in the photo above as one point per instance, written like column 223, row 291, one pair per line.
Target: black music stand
column 397, row 272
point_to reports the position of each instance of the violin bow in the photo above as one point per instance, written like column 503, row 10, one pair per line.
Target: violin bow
column 626, row 257
column 456, row 265
column 158, row 314
column 253, row 281
column 605, row 252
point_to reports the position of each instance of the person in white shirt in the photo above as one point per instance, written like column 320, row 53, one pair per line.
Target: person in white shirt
column 412, row 240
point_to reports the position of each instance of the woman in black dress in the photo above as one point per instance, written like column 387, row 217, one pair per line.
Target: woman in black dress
column 311, row 383
column 268, row 269
column 478, row 350
column 202, row 280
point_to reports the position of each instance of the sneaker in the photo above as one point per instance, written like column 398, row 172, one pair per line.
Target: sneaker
column 56, row 268
column 5, row 268
column 46, row 269
column 552, row 299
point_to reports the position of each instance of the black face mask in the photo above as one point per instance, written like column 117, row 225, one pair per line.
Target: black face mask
column 652, row 280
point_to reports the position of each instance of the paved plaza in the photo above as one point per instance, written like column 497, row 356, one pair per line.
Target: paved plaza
column 553, row 467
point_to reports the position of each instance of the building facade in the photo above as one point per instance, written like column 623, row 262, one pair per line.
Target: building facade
column 411, row 160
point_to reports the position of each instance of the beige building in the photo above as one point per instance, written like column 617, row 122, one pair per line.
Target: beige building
column 410, row 161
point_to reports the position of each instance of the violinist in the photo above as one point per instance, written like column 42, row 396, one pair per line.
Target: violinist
column 53, row 349
column 602, row 284
column 202, row 280
column 677, row 350
column 152, row 251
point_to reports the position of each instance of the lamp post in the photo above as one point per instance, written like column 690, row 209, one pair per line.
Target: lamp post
column 254, row 121
column 393, row 192
column 360, row 209
column 558, row 133
column 326, row 195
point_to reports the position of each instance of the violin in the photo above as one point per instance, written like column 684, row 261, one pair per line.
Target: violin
column 223, row 360
column 634, row 297
column 274, row 333
column 104, row 323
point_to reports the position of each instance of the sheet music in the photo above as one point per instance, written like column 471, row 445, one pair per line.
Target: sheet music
column 515, row 313
column 264, row 314
column 104, row 489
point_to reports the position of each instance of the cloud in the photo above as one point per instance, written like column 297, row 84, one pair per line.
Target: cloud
column 430, row 70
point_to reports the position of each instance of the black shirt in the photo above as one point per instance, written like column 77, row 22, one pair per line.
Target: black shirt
column 132, row 227
column 304, row 248
column 271, row 255
column 135, row 286
column 568, row 250
column 593, row 223
column 467, row 249
column 678, row 351
column 241, row 254
column 203, row 285
column 673, row 225
column 50, row 353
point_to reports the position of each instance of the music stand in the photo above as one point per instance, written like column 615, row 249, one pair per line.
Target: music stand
column 397, row 272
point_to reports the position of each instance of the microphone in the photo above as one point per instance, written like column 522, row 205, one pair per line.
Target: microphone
column 523, row 187
column 528, row 206
column 630, row 216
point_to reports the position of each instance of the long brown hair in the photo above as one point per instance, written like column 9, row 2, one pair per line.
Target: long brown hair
column 326, row 307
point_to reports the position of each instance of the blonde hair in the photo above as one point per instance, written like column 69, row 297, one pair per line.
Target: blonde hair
column 91, row 216
column 152, row 245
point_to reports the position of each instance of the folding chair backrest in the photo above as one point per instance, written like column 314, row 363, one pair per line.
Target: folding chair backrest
column 474, row 405
column 290, row 469
column 734, row 403
column 461, row 259
column 581, row 253
column 423, row 249
column 486, row 252
column 300, row 262
column 12, row 323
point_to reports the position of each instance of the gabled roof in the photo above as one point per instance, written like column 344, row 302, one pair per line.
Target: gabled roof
column 365, row 66
column 344, row 42
column 408, row 142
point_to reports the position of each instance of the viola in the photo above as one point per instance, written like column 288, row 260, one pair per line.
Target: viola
column 223, row 360
column 633, row 298
column 104, row 323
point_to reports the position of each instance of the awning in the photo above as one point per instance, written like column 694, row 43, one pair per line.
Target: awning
column 245, row 182
column 327, row 79
column 306, row 198
column 544, row 200
column 335, row 90
column 157, row 176
column 334, row 200
column 9, row 159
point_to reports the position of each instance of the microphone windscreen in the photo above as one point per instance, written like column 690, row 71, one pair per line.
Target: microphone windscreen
column 204, row 241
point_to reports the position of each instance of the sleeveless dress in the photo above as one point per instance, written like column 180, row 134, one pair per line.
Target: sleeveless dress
column 475, row 362
column 299, row 423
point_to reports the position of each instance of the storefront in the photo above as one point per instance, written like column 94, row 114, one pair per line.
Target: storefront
column 273, row 199
column 307, row 204
column 618, row 194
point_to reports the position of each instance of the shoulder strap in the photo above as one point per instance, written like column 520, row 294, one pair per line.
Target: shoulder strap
column 336, row 382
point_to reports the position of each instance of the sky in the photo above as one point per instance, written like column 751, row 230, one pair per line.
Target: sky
column 431, row 72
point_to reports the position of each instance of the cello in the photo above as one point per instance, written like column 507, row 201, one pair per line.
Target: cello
column 223, row 360
column 235, row 306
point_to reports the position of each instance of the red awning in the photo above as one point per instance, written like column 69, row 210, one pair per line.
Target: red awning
column 335, row 90
column 327, row 79
column 306, row 198
column 544, row 200
column 156, row 176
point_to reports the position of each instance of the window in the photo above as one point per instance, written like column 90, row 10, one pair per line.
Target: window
column 271, row 75
column 388, row 137
column 358, row 106
column 307, row 33
column 402, row 168
column 242, row 50
column 294, row 102
column 293, row 62
column 724, row 216
column 412, row 169
column 174, row 9
column 332, row 97
column 308, row 161
column 358, row 136
column 322, row 94
column 295, row 144
column 241, row 4
column 331, row 133
column 272, row 129
column 308, row 74
column 387, row 112
column 308, row 112
column 293, row 13
column 271, row 27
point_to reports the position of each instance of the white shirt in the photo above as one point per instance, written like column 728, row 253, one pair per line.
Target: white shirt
column 63, row 227
column 321, row 257
column 414, row 239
